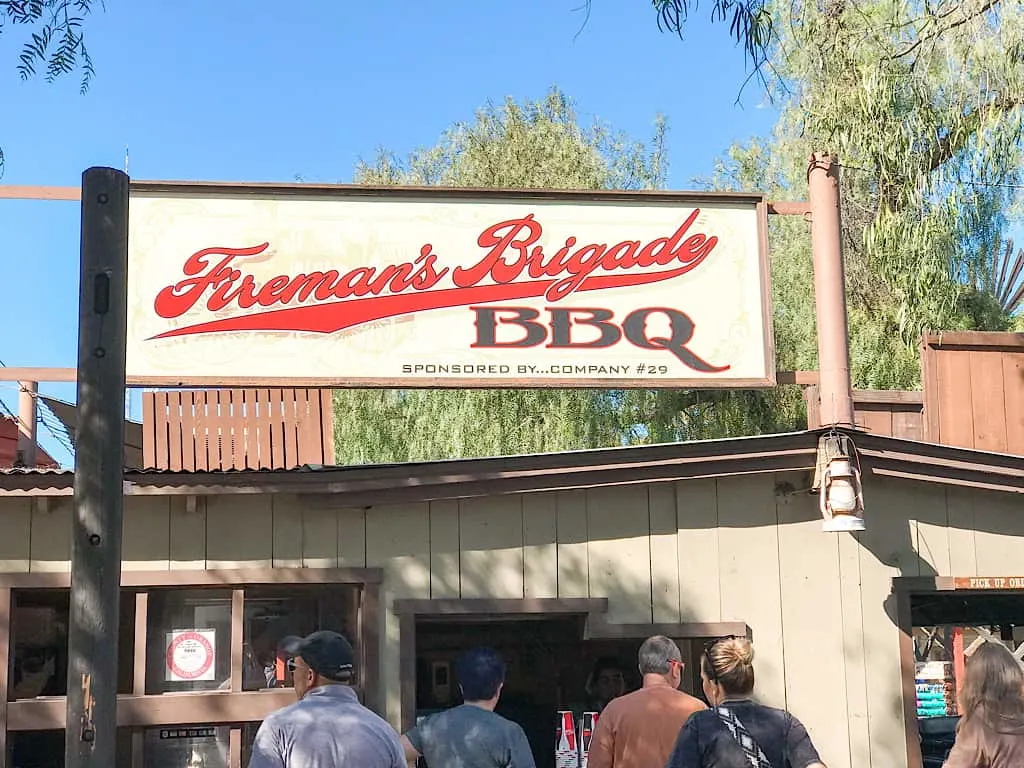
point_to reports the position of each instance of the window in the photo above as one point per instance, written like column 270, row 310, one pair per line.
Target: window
column 39, row 643
column 188, row 641
column 181, row 641
column 273, row 613
column 45, row 749
column 248, row 739
column 171, row 746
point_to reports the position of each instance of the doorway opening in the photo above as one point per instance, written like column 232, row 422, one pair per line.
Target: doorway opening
column 946, row 627
column 549, row 659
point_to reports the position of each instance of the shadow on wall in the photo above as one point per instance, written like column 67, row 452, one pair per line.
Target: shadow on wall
column 923, row 529
column 917, row 529
column 692, row 551
column 745, row 548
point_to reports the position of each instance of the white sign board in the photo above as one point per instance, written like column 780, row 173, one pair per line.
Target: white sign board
column 349, row 286
column 191, row 655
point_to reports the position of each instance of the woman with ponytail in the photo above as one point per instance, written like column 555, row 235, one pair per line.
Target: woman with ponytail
column 735, row 732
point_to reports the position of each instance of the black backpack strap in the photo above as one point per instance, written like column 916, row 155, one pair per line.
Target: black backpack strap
column 751, row 749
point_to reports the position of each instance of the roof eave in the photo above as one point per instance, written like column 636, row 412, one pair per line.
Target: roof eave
column 467, row 478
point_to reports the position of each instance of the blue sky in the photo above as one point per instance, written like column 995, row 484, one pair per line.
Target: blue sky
column 240, row 91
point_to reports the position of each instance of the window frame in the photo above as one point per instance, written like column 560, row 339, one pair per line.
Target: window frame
column 139, row 710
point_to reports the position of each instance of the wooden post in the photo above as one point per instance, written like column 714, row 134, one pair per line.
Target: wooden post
column 91, row 732
column 28, row 414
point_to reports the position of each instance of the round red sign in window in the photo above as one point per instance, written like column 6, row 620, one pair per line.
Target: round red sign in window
column 189, row 655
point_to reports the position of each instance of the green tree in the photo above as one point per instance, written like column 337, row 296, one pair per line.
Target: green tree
column 923, row 104
column 53, row 38
column 533, row 144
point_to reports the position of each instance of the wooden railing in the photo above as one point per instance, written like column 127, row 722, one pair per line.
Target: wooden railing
column 894, row 413
column 217, row 429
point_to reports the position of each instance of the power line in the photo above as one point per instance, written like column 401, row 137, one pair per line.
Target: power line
column 58, row 432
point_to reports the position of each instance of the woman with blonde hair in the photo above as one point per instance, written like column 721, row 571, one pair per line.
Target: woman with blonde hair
column 735, row 732
column 991, row 729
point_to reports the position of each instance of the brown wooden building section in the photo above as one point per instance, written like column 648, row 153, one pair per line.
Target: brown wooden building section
column 211, row 429
column 691, row 539
column 972, row 395
column 974, row 390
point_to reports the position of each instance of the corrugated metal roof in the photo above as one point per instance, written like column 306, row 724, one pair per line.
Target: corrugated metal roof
column 463, row 478
column 581, row 457
column 35, row 471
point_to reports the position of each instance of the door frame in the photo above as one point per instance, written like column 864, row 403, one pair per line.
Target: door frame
column 904, row 588
column 595, row 627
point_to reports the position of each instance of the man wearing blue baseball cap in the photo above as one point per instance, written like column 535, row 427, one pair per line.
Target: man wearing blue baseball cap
column 327, row 727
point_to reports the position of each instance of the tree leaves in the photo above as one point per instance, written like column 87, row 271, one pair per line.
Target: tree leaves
column 538, row 144
column 923, row 106
column 750, row 23
column 55, row 40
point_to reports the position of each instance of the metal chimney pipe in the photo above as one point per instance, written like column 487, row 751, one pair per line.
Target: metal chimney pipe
column 830, row 291
column 28, row 392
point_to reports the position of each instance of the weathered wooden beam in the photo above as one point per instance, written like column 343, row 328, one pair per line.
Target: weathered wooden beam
column 16, row 192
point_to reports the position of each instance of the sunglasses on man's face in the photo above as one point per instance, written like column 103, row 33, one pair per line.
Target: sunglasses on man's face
column 290, row 665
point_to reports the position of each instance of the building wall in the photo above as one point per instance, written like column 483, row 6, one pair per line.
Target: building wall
column 747, row 548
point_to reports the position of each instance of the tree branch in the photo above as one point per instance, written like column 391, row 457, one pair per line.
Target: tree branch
column 947, row 146
column 986, row 6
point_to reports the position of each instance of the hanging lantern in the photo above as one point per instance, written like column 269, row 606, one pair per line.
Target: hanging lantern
column 838, row 482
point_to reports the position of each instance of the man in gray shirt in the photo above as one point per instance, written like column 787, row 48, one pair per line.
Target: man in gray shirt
column 471, row 735
column 327, row 727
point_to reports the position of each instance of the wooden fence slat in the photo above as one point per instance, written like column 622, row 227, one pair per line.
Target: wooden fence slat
column 148, row 431
column 201, row 400
column 812, row 399
column 264, row 430
column 952, row 398
column 327, row 425
column 249, row 440
column 291, row 433
column 307, row 407
column 174, row 431
column 875, row 420
column 188, row 432
column 987, row 401
column 213, row 430
column 161, row 424
column 238, row 458
column 276, row 422
column 1013, row 400
column 226, row 430
column 908, row 425
column 930, row 387
column 252, row 422
column 220, row 436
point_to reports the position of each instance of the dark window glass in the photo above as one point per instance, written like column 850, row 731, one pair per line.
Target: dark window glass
column 45, row 749
column 272, row 613
column 248, row 737
column 39, row 643
column 183, row 746
column 188, row 640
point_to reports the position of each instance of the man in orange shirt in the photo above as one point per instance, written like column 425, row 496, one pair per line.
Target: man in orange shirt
column 640, row 729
